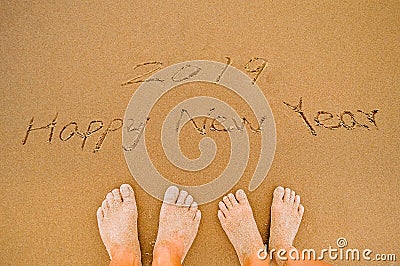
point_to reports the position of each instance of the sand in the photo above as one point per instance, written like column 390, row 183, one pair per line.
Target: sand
column 63, row 66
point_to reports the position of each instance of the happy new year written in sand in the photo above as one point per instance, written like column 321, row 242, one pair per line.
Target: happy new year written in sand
column 322, row 119
column 346, row 120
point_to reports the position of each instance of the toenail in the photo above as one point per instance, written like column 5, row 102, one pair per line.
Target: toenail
column 172, row 189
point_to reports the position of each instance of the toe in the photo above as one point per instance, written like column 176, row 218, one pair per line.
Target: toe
column 188, row 200
column 278, row 193
column 301, row 210
column 110, row 199
column 292, row 196
column 227, row 202
column 223, row 208
column 297, row 201
column 104, row 206
column 171, row 195
column 99, row 214
column 241, row 196
column 127, row 193
column 197, row 217
column 232, row 199
column 182, row 197
column 221, row 216
column 286, row 197
column 193, row 209
column 117, row 196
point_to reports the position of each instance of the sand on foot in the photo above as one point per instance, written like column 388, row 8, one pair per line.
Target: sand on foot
column 117, row 221
column 178, row 225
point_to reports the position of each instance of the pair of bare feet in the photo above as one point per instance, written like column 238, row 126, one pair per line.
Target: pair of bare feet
column 180, row 219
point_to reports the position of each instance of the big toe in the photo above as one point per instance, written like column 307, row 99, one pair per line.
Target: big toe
column 278, row 194
column 127, row 193
column 171, row 195
column 241, row 196
column 100, row 214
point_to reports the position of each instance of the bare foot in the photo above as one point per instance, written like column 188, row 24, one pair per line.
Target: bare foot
column 286, row 214
column 178, row 224
column 237, row 220
column 117, row 220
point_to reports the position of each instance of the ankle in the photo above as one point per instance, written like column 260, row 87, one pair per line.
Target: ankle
column 254, row 257
column 123, row 256
column 282, row 254
column 254, row 260
column 166, row 254
column 280, row 246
